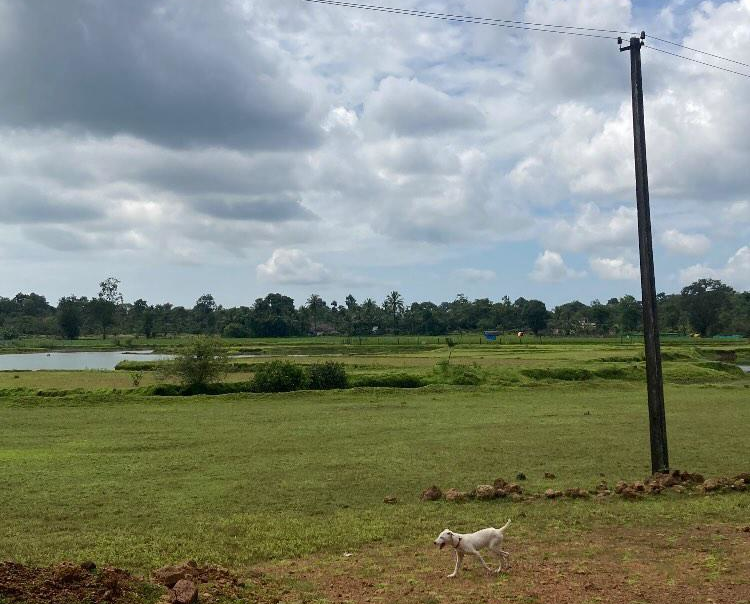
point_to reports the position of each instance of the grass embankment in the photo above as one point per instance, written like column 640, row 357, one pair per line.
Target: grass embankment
column 470, row 365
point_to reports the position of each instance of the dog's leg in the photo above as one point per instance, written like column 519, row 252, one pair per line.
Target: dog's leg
column 505, row 558
column 478, row 555
column 502, row 554
column 459, row 561
column 499, row 568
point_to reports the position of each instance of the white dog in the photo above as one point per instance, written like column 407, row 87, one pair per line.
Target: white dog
column 471, row 543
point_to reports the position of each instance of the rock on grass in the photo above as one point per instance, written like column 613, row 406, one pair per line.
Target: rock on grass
column 485, row 491
column 431, row 494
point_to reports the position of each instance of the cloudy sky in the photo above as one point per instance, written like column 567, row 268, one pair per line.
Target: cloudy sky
column 238, row 148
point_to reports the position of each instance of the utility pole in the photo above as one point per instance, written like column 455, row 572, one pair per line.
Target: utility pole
column 655, row 384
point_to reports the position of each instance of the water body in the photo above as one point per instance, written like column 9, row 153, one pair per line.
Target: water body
column 745, row 368
column 38, row 361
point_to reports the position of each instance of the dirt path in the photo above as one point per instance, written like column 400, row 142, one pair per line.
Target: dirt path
column 706, row 564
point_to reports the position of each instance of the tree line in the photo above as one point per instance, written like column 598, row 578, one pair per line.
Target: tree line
column 707, row 307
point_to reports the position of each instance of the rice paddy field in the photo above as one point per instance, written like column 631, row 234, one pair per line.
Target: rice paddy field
column 287, row 490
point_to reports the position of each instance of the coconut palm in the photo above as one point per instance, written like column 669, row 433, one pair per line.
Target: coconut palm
column 394, row 304
column 314, row 304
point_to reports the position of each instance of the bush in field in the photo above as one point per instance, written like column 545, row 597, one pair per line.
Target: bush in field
column 278, row 376
column 201, row 362
column 459, row 375
column 389, row 380
column 326, row 376
column 136, row 377
column 466, row 376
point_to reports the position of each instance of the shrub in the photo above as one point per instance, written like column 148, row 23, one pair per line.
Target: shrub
column 327, row 376
column 8, row 333
column 389, row 380
column 466, row 376
column 201, row 362
column 163, row 390
column 460, row 375
column 216, row 388
column 278, row 376
column 136, row 377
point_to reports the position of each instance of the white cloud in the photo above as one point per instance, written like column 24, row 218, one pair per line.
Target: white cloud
column 739, row 211
column 614, row 269
column 292, row 266
column 550, row 267
column 411, row 108
column 476, row 274
column 683, row 243
column 593, row 229
column 736, row 272
column 387, row 140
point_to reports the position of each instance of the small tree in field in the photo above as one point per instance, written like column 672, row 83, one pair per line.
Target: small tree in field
column 203, row 361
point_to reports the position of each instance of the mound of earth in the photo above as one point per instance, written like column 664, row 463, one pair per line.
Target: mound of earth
column 66, row 583
column 71, row 583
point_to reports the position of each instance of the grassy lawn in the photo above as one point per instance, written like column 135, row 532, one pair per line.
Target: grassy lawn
column 292, row 481
column 238, row 480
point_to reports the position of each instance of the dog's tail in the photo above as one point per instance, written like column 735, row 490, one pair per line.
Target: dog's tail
column 505, row 526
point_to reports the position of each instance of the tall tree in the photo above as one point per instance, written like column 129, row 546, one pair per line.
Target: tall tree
column 704, row 302
column 204, row 312
column 368, row 316
column 394, row 304
column 69, row 317
column 314, row 304
column 535, row 315
column 104, row 308
column 629, row 313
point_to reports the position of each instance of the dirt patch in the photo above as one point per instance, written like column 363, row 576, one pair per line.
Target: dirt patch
column 67, row 583
column 70, row 583
column 704, row 564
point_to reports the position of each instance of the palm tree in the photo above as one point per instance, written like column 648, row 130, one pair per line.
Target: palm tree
column 368, row 312
column 314, row 303
column 394, row 304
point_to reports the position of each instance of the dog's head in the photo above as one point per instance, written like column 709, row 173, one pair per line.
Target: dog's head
column 445, row 538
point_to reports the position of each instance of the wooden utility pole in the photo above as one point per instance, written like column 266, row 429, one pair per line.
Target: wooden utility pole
column 655, row 383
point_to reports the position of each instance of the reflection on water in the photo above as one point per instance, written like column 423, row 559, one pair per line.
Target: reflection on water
column 73, row 360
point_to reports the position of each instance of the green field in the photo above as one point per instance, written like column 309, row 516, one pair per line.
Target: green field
column 266, row 481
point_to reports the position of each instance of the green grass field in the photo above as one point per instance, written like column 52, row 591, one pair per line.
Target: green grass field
column 261, row 480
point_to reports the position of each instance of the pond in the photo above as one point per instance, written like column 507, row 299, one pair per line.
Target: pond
column 36, row 361
column 745, row 368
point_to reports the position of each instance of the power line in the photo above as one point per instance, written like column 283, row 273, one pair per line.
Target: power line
column 703, row 52
column 568, row 30
column 506, row 23
column 666, row 52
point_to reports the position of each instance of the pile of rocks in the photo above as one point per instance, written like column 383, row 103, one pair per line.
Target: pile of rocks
column 499, row 489
column 681, row 482
column 183, row 579
column 574, row 493
column 674, row 481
